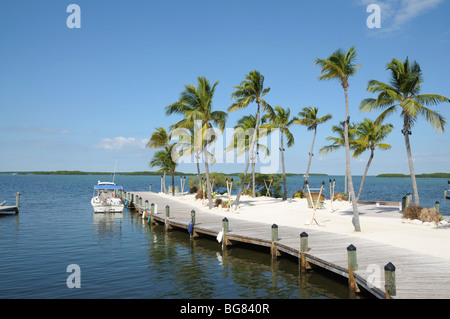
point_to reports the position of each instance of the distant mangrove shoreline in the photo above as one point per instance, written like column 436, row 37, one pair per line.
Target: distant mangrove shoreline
column 65, row 172
column 125, row 173
column 432, row 175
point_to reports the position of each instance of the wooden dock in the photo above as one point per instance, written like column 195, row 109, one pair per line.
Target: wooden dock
column 414, row 275
column 7, row 209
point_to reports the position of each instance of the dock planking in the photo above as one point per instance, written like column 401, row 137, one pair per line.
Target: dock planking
column 6, row 209
column 417, row 275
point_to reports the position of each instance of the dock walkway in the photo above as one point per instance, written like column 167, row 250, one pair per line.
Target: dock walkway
column 416, row 275
column 5, row 209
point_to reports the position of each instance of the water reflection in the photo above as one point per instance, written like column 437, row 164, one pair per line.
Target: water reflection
column 108, row 225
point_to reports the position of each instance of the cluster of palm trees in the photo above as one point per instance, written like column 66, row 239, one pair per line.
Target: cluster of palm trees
column 200, row 120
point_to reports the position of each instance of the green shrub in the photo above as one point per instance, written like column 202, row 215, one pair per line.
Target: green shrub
column 298, row 194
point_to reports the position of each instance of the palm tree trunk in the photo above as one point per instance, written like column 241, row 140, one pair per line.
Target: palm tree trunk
column 411, row 166
column 282, row 167
column 252, row 145
column 248, row 186
column 345, row 181
column 355, row 220
column 208, row 185
column 253, row 180
column 164, row 179
column 173, row 183
column 364, row 176
column 309, row 162
column 198, row 172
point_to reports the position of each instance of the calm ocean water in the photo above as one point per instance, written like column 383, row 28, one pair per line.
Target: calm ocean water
column 121, row 257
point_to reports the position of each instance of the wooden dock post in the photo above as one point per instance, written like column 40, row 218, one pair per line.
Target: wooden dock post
column 193, row 217
column 389, row 279
column 145, row 208
column 166, row 220
column 408, row 199
column 18, row 199
column 150, row 219
column 436, row 206
column 182, row 182
column 273, row 249
column 191, row 226
column 304, row 265
column 225, row 241
column 352, row 266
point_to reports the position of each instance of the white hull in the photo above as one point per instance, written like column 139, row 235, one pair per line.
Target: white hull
column 109, row 205
column 108, row 209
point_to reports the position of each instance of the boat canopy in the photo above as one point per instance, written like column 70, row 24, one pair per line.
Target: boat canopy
column 107, row 187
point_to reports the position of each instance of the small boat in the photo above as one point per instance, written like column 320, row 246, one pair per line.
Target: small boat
column 105, row 200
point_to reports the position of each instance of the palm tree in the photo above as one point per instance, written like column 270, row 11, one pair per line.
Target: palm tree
column 195, row 104
column 339, row 142
column 189, row 142
column 160, row 138
column 250, row 90
column 403, row 94
column 370, row 136
column 308, row 117
column 280, row 119
column 241, row 141
column 163, row 158
column 341, row 65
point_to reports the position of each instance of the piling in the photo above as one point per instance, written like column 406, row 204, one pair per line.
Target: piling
column 408, row 199
column 389, row 279
column 191, row 226
column 193, row 217
column 150, row 219
column 18, row 199
column 352, row 266
column 304, row 265
column 225, row 241
column 166, row 220
column 273, row 250
column 436, row 206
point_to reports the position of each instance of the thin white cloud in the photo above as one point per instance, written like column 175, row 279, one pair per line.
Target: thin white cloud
column 398, row 14
column 120, row 143
column 36, row 130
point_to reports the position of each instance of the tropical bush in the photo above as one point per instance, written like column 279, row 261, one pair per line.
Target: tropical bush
column 298, row 194
column 260, row 187
column 423, row 214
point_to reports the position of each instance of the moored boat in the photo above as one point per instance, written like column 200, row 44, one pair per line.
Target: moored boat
column 105, row 200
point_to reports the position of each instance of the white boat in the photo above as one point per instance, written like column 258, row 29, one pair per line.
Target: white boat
column 105, row 200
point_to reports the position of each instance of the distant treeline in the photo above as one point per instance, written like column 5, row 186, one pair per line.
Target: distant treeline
column 432, row 175
column 125, row 173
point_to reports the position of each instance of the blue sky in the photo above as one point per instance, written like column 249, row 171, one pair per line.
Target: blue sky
column 84, row 99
